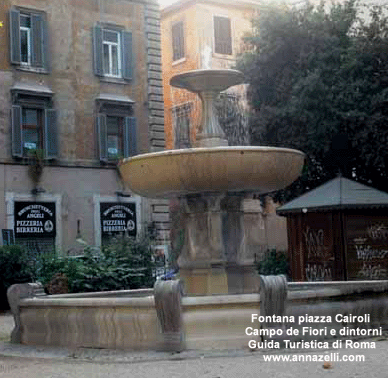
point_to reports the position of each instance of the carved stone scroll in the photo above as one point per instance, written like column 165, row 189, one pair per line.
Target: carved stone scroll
column 168, row 303
column 15, row 294
column 273, row 296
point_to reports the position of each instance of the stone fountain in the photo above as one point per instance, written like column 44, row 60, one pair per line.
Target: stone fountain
column 211, row 181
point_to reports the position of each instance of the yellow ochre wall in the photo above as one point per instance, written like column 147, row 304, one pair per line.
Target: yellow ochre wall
column 197, row 17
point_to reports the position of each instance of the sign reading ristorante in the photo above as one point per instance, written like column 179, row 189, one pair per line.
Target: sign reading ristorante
column 118, row 218
column 34, row 219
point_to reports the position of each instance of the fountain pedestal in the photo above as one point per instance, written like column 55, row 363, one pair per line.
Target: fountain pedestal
column 215, row 258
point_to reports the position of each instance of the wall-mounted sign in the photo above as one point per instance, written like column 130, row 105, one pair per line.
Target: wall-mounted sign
column 34, row 219
column 118, row 218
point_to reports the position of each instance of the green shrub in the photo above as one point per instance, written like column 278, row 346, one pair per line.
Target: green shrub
column 276, row 262
column 124, row 263
column 13, row 269
column 48, row 265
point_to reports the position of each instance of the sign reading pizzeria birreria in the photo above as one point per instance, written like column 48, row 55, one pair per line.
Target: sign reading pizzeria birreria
column 118, row 218
column 34, row 219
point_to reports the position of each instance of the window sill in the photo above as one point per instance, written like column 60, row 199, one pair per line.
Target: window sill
column 25, row 159
column 115, row 80
column 32, row 69
column 179, row 61
column 230, row 57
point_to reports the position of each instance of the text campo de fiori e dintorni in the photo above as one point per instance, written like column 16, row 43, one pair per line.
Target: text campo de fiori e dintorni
column 317, row 329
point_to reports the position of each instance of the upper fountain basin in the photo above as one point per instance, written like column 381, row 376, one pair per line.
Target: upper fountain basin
column 220, row 169
column 207, row 80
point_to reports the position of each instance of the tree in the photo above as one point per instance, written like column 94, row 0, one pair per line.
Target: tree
column 319, row 83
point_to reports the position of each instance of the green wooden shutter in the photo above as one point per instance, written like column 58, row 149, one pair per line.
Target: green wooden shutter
column 127, row 56
column 50, row 134
column 37, row 40
column 97, row 51
column 14, row 32
column 178, row 44
column 222, row 36
column 102, row 137
column 17, row 139
column 45, row 46
column 130, row 137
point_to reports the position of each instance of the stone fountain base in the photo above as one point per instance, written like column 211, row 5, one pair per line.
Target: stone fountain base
column 218, row 254
column 227, row 279
column 161, row 319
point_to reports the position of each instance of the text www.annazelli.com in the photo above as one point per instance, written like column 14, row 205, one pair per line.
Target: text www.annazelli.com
column 329, row 357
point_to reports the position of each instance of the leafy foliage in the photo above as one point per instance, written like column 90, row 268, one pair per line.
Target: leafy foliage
column 319, row 83
column 13, row 269
column 275, row 263
column 125, row 263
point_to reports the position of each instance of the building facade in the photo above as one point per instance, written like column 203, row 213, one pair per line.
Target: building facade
column 80, row 90
column 198, row 34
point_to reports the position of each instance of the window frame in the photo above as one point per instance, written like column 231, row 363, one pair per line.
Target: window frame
column 37, row 40
column 125, row 52
column 123, row 110
column 29, row 41
column 39, row 127
column 222, row 41
column 48, row 139
column 180, row 49
column 120, row 136
column 119, row 55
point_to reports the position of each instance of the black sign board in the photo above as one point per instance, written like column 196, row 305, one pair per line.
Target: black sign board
column 118, row 218
column 34, row 219
column 8, row 237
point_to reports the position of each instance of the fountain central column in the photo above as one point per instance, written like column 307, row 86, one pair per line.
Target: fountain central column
column 211, row 134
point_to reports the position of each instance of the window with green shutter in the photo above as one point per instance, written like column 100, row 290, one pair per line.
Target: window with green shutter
column 116, row 127
column 117, row 137
column 28, row 39
column 34, row 126
column 112, row 51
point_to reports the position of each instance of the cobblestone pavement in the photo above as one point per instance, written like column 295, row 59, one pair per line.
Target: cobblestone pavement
column 25, row 361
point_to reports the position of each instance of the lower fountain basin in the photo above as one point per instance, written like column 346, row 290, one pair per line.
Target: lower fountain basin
column 220, row 169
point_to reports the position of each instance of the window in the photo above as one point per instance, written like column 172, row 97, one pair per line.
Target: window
column 182, row 126
column 112, row 53
column 114, row 131
column 34, row 125
column 178, row 41
column 25, row 39
column 117, row 137
column 28, row 39
column 32, row 129
column 222, row 36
